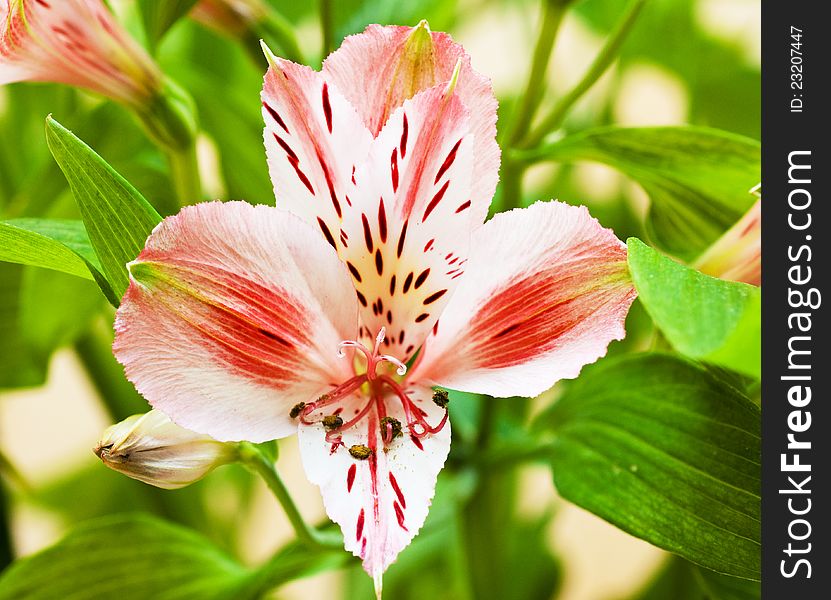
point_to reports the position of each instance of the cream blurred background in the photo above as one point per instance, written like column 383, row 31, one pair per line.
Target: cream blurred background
column 51, row 430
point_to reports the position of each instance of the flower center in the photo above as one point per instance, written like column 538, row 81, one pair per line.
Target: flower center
column 373, row 359
column 381, row 388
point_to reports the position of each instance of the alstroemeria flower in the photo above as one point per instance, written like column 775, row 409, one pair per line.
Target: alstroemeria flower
column 737, row 255
column 253, row 323
column 77, row 42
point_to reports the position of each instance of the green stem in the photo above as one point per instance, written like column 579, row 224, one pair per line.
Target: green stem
column 94, row 349
column 511, row 185
column 254, row 459
column 6, row 554
column 553, row 11
column 607, row 55
column 184, row 170
column 484, row 517
column 326, row 26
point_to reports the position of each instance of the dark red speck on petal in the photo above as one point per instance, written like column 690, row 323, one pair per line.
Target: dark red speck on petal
column 327, row 107
column 397, row 490
column 350, row 477
column 360, row 526
column 399, row 514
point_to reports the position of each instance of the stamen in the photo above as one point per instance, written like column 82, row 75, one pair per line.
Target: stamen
column 360, row 452
column 332, row 421
column 390, row 429
column 402, row 368
column 416, row 423
column 373, row 359
column 335, row 395
column 296, row 409
column 379, row 339
column 441, row 398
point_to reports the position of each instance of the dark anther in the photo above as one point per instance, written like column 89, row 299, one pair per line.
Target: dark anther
column 295, row 410
column 360, row 451
column 392, row 425
column 441, row 398
column 332, row 421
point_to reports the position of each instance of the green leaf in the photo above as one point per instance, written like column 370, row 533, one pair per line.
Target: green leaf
column 701, row 316
column 117, row 218
column 697, row 178
column 724, row 587
column 158, row 17
column 674, row 580
column 295, row 561
column 679, row 579
column 665, row 450
column 55, row 309
column 128, row 556
column 61, row 245
column 19, row 367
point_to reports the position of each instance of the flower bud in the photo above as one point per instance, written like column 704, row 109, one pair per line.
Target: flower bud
column 153, row 449
column 77, row 42
column 737, row 255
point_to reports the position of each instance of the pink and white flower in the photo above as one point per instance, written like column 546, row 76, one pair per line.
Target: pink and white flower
column 77, row 42
column 253, row 323
column 737, row 254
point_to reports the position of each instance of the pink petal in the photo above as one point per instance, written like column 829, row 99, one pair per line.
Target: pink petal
column 380, row 503
column 406, row 238
column 233, row 315
column 313, row 139
column 546, row 290
column 737, row 255
column 375, row 73
column 77, row 42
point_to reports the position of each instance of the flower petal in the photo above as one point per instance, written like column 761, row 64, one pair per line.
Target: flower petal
column 375, row 70
column 546, row 290
column 313, row 140
column 77, row 42
column 406, row 240
column 737, row 255
column 380, row 503
column 233, row 315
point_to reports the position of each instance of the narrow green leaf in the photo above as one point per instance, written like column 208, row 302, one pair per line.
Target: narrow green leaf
column 697, row 178
column 61, row 245
column 665, row 450
column 117, row 218
column 701, row 316
column 131, row 557
column 159, row 17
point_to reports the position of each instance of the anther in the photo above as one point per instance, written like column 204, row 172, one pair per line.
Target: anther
column 332, row 421
column 390, row 429
column 441, row 398
column 360, row 451
column 297, row 409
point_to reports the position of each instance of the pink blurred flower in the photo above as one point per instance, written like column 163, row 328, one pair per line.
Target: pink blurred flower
column 76, row 42
column 737, row 255
column 238, row 319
